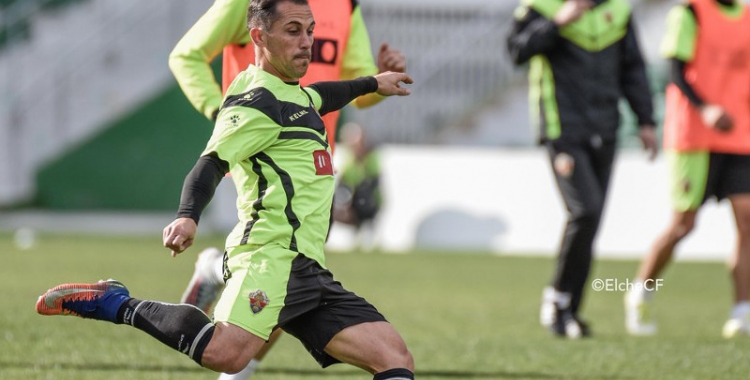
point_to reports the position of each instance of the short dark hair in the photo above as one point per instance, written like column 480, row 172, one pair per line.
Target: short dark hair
column 262, row 13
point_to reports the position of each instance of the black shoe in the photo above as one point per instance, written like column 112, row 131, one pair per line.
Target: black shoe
column 568, row 325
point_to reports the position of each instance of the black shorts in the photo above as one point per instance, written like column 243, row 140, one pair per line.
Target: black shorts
column 317, row 307
column 728, row 174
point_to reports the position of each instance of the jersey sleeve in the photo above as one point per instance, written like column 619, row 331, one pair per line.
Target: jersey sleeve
column 315, row 97
column 240, row 133
column 335, row 95
column 679, row 40
column 358, row 60
column 223, row 24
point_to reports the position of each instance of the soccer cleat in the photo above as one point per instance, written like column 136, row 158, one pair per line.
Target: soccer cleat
column 638, row 317
column 206, row 285
column 735, row 327
column 555, row 314
column 99, row 301
column 569, row 325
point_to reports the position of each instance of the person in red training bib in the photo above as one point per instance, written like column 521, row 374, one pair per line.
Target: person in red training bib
column 707, row 142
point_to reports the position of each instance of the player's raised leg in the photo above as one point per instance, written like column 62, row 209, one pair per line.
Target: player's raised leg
column 222, row 347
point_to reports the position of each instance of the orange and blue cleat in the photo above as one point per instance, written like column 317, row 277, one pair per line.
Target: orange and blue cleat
column 99, row 301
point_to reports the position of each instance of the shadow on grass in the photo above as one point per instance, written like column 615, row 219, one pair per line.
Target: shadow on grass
column 291, row 371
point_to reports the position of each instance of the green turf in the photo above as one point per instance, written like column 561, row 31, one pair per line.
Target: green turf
column 464, row 316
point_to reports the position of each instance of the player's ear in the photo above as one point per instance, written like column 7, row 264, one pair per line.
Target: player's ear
column 258, row 37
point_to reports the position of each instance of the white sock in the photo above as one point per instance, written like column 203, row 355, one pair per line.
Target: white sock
column 639, row 293
column 562, row 299
column 218, row 266
column 741, row 310
column 244, row 374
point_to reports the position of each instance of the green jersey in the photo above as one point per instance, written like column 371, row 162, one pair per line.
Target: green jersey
column 272, row 137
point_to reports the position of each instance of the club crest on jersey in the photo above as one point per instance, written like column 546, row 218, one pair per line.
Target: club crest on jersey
column 258, row 301
column 322, row 161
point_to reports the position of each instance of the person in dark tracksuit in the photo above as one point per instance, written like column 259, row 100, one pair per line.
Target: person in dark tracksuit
column 583, row 56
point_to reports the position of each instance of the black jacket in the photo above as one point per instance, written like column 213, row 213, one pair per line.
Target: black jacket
column 579, row 85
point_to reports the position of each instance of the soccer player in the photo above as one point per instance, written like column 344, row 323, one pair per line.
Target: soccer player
column 583, row 56
column 341, row 50
column 707, row 137
column 270, row 136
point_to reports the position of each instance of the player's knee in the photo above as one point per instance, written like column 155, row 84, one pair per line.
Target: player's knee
column 743, row 227
column 682, row 229
column 225, row 353
column 235, row 367
column 408, row 361
column 226, row 361
column 395, row 357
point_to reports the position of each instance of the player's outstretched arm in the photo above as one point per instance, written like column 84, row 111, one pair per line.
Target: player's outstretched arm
column 336, row 94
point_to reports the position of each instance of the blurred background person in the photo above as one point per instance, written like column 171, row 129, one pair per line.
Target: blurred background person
column 707, row 138
column 341, row 50
column 583, row 57
column 358, row 197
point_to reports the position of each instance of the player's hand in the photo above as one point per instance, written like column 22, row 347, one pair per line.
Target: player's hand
column 389, row 83
column 179, row 235
column 716, row 117
column 572, row 10
column 390, row 59
column 647, row 134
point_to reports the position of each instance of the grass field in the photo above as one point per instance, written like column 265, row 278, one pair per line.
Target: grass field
column 464, row 316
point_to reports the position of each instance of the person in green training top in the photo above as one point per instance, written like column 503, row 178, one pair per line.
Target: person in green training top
column 583, row 58
column 271, row 138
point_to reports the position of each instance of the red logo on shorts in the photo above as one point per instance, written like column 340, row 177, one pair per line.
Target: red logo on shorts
column 322, row 161
column 258, row 301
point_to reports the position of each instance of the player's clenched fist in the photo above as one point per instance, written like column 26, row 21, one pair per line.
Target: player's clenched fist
column 179, row 235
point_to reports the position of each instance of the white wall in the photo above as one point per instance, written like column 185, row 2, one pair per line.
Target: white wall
column 501, row 201
column 505, row 201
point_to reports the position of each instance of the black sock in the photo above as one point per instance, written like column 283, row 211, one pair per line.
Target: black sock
column 182, row 327
column 394, row 374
